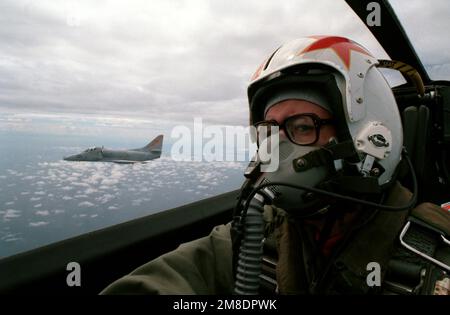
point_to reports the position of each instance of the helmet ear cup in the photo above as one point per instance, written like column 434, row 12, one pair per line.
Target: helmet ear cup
column 381, row 128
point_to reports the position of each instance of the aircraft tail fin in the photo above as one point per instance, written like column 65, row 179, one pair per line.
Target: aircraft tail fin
column 155, row 146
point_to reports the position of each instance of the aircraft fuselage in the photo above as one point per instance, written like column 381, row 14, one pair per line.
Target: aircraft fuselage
column 100, row 154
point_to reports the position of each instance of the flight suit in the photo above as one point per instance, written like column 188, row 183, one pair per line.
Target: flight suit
column 204, row 266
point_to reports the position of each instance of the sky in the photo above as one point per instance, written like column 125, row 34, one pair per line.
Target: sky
column 134, row 64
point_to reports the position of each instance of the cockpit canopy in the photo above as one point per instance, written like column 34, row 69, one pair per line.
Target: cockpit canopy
column 92, row 154
column 96, row 149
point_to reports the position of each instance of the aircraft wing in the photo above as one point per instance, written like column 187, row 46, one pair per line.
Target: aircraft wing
column 125, row 161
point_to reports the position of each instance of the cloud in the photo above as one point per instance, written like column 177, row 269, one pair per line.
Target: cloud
column 78, row 184
column 105, row 198
column 9, row 214
column 136, row 202
column 155, row 186
column 109, row 182
column 13, row 239
column 155, row 62
column 86, row 204
column 42, row 213
column 37, row 224
column 90, row 191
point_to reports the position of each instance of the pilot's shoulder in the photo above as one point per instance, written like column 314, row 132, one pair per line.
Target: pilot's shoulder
column 218, row 241
column 221, row 232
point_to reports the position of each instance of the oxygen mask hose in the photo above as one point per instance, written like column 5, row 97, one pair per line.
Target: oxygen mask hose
column 251, row 249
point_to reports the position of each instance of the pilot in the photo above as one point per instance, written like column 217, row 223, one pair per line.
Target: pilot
column 331, row 225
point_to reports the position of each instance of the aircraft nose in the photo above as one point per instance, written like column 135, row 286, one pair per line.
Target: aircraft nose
column 69, row 158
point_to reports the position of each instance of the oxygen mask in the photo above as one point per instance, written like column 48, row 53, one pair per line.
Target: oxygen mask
column 282, row 161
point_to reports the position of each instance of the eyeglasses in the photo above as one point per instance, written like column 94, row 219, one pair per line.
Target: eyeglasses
column 302, row 129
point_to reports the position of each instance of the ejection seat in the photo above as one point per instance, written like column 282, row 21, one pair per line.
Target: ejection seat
column 417, row 133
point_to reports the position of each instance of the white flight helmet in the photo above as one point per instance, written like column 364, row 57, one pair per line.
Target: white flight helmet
column 365, row 107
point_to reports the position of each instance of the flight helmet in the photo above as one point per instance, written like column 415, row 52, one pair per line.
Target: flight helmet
column 360, row 98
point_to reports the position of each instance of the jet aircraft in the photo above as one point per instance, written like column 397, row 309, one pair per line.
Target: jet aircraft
column 100, row 154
